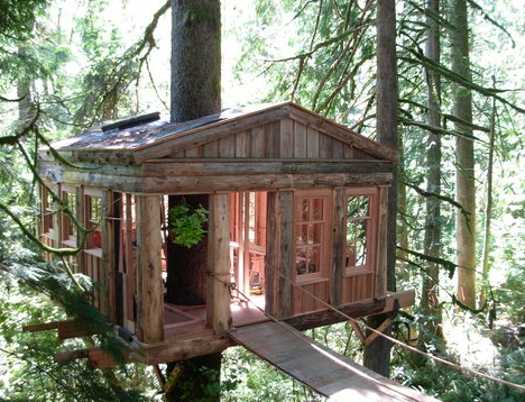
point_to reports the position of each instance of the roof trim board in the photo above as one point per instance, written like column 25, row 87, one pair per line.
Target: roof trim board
column 155, row 136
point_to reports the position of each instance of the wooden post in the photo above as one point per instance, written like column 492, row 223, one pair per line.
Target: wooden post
column 79, row 205
column 219, row 299
column 279, row 263
column 338, row 247
column 149, row 278
column 382, row 241
column 104, row 284
column 57, row 219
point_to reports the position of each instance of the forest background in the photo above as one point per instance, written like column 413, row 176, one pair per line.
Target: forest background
column 68, row 65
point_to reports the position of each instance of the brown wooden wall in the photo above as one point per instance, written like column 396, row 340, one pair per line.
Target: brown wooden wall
column 358, row 287
column 286, row 138
column 337, row 285
column 304, row 303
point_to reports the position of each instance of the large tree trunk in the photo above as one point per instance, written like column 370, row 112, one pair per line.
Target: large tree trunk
column 23, row 91
column 466, row 192
column 402, row 226
column 377, row 354
column 195, row 92
column 488, row 207
column 429, row 305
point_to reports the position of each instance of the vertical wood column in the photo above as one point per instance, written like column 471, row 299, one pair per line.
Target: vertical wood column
column 81, row 240
column 338, row 247
column 279, row 263
column 382, row 242
column 57, row 218
column 218, row 298
column 149, row 278
column 104, row 284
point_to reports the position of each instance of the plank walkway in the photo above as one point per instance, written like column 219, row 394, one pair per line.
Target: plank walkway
column 330, row 374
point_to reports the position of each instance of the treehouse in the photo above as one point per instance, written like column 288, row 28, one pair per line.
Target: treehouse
column 295, row 222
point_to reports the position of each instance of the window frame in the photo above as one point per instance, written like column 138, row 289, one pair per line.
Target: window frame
column 49, row 212
column 325, row 245
column 372, row 230
column 89, row 194
column 69, row 238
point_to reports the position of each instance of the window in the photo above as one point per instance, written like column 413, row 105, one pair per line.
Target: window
column 93, row 219
column 69, row 229
column 312, row 231
column 48, row 212
column 360, row 233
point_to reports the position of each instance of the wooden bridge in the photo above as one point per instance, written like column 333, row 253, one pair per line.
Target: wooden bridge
column 330, row 374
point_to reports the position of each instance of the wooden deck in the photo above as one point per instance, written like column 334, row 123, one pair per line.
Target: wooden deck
column 330, row 374
column 190, row 321
column 188, row 334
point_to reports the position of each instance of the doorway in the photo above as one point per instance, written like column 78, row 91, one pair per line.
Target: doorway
column 248, row 242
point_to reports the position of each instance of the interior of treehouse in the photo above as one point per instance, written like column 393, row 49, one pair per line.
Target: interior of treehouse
column 293, row 229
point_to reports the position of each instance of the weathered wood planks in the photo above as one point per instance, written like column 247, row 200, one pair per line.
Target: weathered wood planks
column 219, row 315
column 328, row 373
column 279, row 260
column 150, row 286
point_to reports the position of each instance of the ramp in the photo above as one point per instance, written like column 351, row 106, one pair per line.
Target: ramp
column 330, row 374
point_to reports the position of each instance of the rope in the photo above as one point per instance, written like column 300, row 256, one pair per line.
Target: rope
column 438, row 359
column 412, row 348
column 291, row 330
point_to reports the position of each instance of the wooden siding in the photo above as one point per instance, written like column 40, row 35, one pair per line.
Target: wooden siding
column 283, row 139
column 358, row 287
column 303, row 302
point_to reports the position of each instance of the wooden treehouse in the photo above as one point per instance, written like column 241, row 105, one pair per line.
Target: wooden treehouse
column 297, row 211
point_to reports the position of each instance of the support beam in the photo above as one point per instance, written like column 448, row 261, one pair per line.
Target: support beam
column 338, row 247
column 149, row 284
column 371, row 307
column 279, row 260
column 219, row 299
column 106, row 280
column 382, row 242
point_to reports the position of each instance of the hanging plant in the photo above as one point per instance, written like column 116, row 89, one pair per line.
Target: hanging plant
column 187, row 224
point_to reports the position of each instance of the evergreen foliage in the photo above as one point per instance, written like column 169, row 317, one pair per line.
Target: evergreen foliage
column 69, row 75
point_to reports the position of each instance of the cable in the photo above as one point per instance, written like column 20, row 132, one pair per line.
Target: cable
column 438, row 359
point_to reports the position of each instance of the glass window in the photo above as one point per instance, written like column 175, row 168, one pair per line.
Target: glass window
column 310, row 234
column 359, row 226
column 69, row 228
column 94, row 221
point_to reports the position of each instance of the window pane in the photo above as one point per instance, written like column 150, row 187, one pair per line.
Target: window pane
column 356, row 242
column 96, row 211
column 357, row 227
column 300, row 261
column 357, row 207
column 305, row 210
column 318, row 208
column 302, row 235
column 317, row 233
column 314, row 259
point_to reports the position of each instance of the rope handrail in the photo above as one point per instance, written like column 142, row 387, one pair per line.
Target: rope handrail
column 396, row 341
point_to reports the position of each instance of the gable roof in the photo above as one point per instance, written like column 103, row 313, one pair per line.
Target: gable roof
column 149, row 139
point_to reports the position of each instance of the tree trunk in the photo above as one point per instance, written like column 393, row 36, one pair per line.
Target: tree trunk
column 465, row 185
column 488, row 207
column 195, row 92
column 23, row 91
column 430, row 328
column 402, row 226
column 377, row 354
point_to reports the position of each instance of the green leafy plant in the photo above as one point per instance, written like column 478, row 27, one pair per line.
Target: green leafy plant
column 187, row 224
